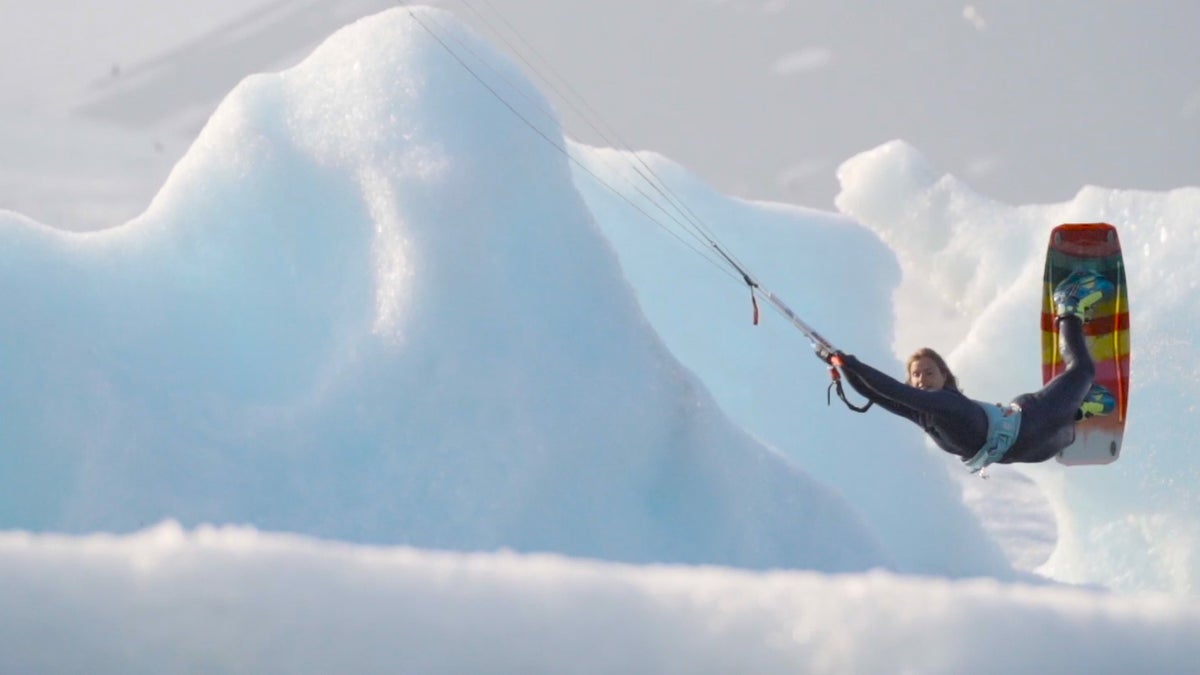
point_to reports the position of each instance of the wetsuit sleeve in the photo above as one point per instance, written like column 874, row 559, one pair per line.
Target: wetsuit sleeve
column 956, row 424
column 871, row 395
column 886, row 388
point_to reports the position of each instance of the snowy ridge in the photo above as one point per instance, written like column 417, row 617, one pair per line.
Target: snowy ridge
column 235, row 600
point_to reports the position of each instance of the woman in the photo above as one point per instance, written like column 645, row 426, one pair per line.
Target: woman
column 1033, row 427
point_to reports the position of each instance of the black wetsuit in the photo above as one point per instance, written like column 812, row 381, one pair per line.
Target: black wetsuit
column 959, row 426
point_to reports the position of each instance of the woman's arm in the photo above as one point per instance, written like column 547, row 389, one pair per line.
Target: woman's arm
column 873, row 396
column 886, row 388
column 956, row 423
column 872, row 383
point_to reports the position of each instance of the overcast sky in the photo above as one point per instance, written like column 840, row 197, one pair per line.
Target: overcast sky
column 1026, row 100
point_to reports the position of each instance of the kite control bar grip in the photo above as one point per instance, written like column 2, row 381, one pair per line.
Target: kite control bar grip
column 834, row 359
column 828, row 354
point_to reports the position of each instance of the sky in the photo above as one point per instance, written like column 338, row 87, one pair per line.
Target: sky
column 764, row 99
column 309, row 352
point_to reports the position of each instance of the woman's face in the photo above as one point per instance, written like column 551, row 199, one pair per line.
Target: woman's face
column 923, row 373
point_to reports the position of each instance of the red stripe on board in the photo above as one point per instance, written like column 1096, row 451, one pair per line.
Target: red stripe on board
column 1085, row 240
column 1101, row 325
column 1108, row 371
column 1112, row 374
column 1119, row 389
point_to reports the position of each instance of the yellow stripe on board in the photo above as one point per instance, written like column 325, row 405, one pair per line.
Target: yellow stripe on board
column 1101, row 347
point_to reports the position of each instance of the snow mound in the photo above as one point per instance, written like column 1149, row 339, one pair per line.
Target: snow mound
column 345, row 315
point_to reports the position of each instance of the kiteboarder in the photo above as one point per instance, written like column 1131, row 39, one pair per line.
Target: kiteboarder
column 1034, row 427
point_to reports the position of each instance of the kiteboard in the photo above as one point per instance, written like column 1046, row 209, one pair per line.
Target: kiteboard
column 1092, row 246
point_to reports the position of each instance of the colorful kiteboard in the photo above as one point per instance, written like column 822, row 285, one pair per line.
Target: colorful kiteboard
column 1093, row 246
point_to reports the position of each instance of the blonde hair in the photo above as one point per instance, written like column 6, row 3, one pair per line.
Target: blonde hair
column 927, row 353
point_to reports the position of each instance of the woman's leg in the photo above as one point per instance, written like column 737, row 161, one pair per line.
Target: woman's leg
column 1060, row 399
